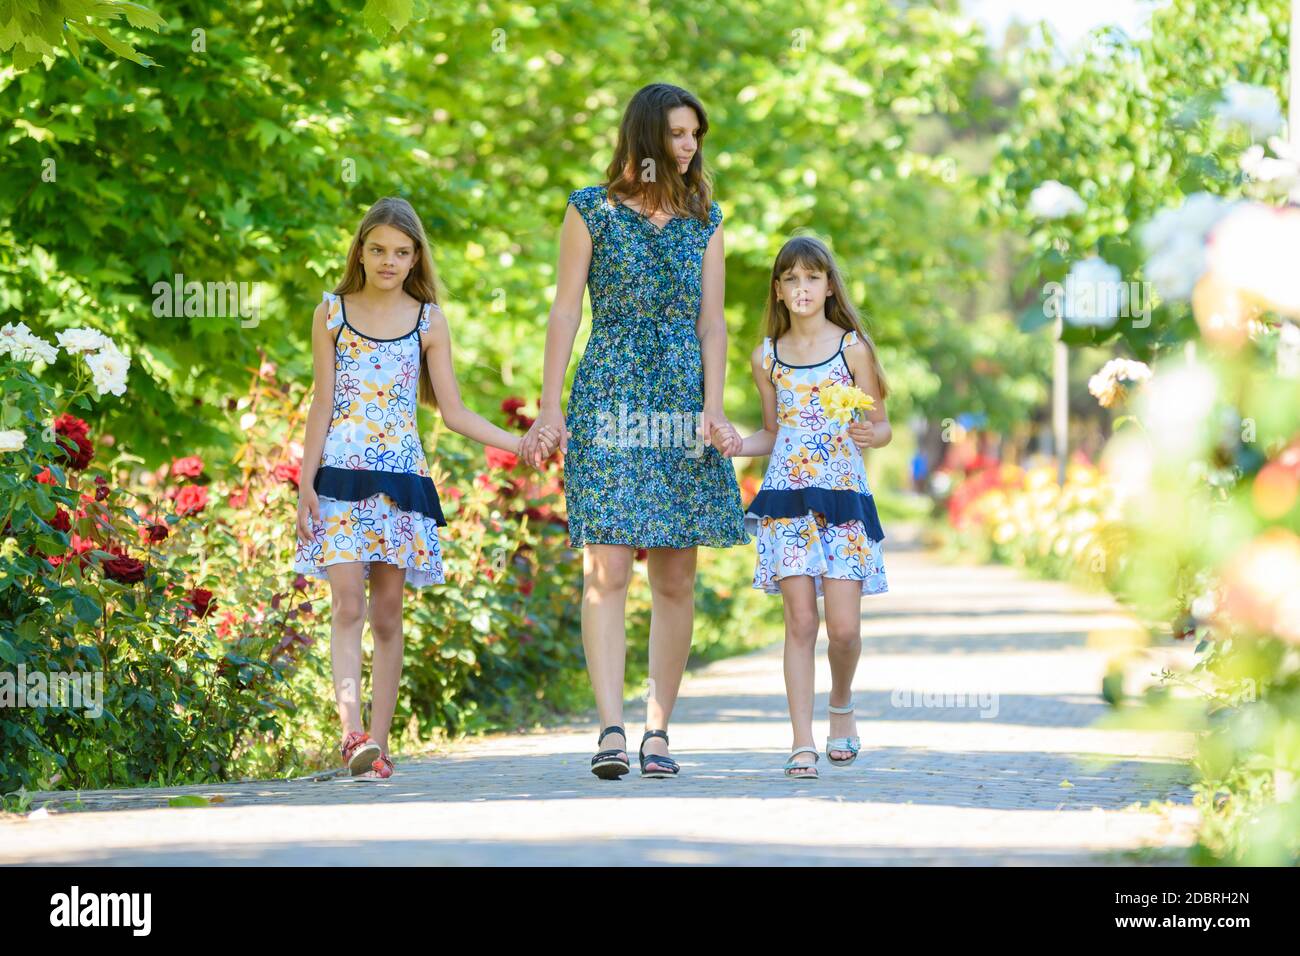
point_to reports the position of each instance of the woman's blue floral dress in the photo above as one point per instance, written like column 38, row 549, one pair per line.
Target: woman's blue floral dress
column 635, row 473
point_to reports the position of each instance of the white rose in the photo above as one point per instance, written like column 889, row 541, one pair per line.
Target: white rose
column 1174, row 408
column 1255, row 107
column 1175, row 242
column 1177, row 268
column 75, row 341
column 25, row 345
column 1094, row 293
column 1053, row 199
column 1255, row 249
column 109, row 367
column 12, row 440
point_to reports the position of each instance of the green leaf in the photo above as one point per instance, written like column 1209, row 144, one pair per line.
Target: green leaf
column 188, row 800
column 1034, row 318
column 122, row 49
column 86, row 609
column 142, row 18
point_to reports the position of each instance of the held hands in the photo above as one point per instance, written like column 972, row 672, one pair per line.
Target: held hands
column 548, row 439
column 717, row 431
column 540, row 442
column 726, row 440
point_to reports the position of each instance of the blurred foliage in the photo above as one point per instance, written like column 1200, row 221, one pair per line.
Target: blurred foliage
column 248, row 153
column 1129, row 125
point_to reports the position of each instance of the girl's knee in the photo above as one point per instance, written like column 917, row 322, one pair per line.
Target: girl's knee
column 348, row 607
column 801, row 627
column 845, row 636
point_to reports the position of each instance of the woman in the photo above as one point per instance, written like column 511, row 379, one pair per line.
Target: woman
column 648, row 244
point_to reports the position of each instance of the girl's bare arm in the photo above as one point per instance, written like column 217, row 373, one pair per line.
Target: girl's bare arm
column 875, row 432
column 761, row 442
column 436, row 344
column 319, row 412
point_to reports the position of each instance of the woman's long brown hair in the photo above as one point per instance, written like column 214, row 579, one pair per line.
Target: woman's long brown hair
column 421, row 282
column 644, row 167
column 813, row 254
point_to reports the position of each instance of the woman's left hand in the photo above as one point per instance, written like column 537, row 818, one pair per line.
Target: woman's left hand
column 862, row 433
column 710, row 421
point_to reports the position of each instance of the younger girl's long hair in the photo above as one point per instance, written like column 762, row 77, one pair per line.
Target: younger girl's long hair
column 644, row 167
column 813, row 254
column 421, row 282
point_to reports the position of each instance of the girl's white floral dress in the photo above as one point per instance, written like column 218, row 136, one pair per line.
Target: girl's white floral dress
column 814, row 514
column 377, row 500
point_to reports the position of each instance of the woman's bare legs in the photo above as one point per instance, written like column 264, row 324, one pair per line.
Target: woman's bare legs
column 843, row 602
column 672, row 621
column 799, row 603
column 347, row 617
column 386, row 584
column 606, row 572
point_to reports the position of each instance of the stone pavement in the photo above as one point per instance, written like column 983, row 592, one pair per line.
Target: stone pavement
column 934, row 784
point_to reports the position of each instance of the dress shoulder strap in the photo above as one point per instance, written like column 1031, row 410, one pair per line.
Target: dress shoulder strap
column 335, row 317
column 769, row 358
column 850, row 337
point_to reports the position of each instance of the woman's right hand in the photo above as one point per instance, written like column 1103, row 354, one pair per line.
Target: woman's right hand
column 531, row 450
column 308, row 513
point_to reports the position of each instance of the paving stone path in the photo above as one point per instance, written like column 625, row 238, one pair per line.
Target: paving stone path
column 981, row 783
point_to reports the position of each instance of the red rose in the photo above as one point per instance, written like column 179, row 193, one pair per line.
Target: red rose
column 227, row 623
column 62, row 521
column 78, row 549
column 191, row 499
column 641, row 554
column 74, row 440
column 514, row 417
column 44, row 476
column 526, row 587
column 202, row 600
column 238, row 498
column 454, row 494
column 67, row 424
column 125, row 569
column 300, row 583
column 190, row 467
column 101, row 488
column 496, row 458
column 287, row 471
column 158, row 532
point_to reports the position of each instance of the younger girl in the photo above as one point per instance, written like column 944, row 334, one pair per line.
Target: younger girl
column 814, row 516
column 367, row 508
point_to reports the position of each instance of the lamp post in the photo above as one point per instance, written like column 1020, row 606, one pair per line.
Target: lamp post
column 1061, row 399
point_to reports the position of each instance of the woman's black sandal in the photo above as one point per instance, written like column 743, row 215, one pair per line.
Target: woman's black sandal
column 608, row 764
column 668, row 763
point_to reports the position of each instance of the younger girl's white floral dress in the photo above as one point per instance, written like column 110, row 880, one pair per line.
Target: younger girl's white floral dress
column 377, row 500
column 814, row 514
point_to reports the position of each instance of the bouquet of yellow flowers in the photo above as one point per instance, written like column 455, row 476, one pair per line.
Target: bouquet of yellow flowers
column 841, row 401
